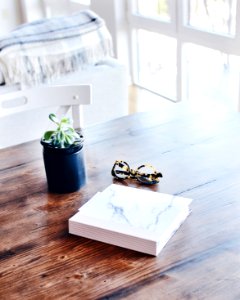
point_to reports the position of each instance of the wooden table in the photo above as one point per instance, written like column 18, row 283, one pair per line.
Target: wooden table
column 199, row 156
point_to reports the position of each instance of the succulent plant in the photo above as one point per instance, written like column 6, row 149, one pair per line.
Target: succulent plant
column 64, row 136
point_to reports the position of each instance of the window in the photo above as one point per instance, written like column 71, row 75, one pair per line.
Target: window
column 169, row 37
column 157, row 65
column 154, row 9
column 213, row 16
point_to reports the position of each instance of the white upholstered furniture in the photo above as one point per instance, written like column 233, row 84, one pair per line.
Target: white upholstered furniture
column 109, row 100
column 64, row 50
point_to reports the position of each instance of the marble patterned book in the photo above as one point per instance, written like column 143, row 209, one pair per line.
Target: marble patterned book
column 132, row 218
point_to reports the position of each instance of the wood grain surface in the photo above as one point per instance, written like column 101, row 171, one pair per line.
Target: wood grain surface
column 199, row 157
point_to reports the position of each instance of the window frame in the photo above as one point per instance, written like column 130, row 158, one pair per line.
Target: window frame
column 183, row 33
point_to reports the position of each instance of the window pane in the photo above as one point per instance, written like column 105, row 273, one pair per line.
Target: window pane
column 154, row 9
column 157, row 63
column 217, row 16
column 214, row 77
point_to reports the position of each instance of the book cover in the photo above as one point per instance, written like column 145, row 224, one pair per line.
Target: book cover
column 133, row 218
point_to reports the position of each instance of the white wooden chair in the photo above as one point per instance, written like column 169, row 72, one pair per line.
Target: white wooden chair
column 61, row 97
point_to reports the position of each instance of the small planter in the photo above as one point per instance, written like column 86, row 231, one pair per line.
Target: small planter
column 65, row 168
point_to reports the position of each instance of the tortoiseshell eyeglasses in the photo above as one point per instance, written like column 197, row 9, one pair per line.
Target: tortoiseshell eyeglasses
column 146, row 173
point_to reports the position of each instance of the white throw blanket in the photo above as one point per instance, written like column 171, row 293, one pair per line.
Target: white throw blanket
column 41, row 51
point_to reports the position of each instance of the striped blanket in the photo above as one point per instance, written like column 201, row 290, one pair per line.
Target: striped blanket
column 41, row 51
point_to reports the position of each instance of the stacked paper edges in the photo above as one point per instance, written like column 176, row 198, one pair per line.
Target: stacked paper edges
column 132, row 218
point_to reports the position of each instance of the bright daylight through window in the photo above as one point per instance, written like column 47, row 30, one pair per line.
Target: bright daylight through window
column 171, row 37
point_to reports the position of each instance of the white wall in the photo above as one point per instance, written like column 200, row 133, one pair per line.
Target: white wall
column 32, row 10
column 114, row 12
column 10, row 15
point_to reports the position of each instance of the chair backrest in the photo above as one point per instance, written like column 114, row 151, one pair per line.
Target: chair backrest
column 61, row 97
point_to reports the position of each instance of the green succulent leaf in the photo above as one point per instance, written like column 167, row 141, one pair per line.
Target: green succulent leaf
column 47, row 135
column 69, row 139
column 53, row 118
column 65, row 135
column 65, row 120
column 75, row 135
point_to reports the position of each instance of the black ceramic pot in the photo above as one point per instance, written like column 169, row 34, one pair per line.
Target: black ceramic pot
column 65, row 168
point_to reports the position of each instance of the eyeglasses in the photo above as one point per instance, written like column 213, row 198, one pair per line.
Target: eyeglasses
column 146, row 173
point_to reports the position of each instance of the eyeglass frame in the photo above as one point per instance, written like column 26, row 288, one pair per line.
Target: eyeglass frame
column 135, row 174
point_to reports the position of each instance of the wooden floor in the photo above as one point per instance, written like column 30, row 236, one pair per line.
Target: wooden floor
column 143, row 100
